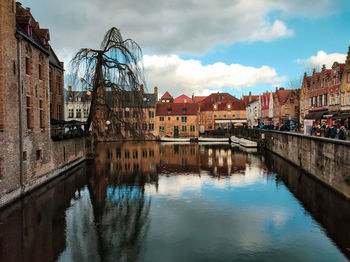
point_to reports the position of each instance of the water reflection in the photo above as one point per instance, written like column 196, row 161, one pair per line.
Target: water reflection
column 178, row 202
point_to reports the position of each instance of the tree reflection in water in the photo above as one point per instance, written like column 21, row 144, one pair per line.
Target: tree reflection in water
column 115, row 228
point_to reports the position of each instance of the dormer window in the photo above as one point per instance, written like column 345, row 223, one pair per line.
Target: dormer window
column 215, row 107
column 229, row 106
column 169, row 110
column 184, row 110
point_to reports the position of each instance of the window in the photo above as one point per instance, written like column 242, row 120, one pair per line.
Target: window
column 192, row 128
column 78, row 113
column 161, row 118
column 177, row 118
column 229, row 106
column 313, row 85
column 39, row 154
column 70, row 113
column 14, row 67
column 127, row 154
column 127, row 113
column 184, row 119
column 184, row 110
column 135, row 154
column 41, row 112
column 348, row 77
column 27, row 64
column 320, row 100
column 326, row 99
column 151, row 127
column 348, row 98
column 169, row 110
column 86, row 113
column 214, row 107
column 210, row 126
column 144, row 126
column 210, row 115
column 135, row 113
column 337, row 100
column 169, row 118
column 161, row 128
column 151, row 114
column 183, row 128
column 118, row 128
column 144, row 153
column 29, row 113
column 25, row 155
column 323, row 83
column 39, row 71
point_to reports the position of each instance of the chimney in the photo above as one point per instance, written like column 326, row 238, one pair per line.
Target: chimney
column 193, row 97
column 250, row 96
column 69, row 88
column 156, row 93
column 323, row 67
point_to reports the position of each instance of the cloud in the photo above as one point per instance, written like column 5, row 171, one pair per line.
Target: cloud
column 176, row 75
column 322, row 58
column 163, row 27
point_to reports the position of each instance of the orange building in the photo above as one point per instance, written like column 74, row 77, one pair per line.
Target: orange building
column 177, row 119
column 221, row 111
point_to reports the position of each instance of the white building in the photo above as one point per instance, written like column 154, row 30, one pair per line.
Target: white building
column 253, row 112
column 76, row 105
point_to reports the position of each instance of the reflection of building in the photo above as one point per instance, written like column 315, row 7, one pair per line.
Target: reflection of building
column 77, row 105
column 177, row 119
column 221, row 111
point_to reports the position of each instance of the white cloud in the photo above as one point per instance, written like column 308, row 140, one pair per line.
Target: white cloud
column 179, row 26
column 322, row 58
column 176, row 75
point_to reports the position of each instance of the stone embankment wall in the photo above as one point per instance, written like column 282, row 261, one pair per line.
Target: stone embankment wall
column 326, row 159
column 59, row 157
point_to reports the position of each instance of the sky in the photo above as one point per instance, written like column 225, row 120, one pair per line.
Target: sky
column 204, row 46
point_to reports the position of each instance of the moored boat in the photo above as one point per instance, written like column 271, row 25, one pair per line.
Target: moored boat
column 213, row 139
column 247, row 143
column 235, row 139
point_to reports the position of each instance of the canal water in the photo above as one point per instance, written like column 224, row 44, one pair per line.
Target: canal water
column 148, row 201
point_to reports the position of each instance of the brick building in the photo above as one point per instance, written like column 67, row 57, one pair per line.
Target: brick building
column 304, row 97
column 221, row 111
column 286, row 105
column 132, row 116
column 177, row 119
column 345, row 85
column 183, row 99
column 27, row 152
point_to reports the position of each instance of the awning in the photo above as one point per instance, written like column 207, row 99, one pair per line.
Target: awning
column 316, row 114
column 230, row 121
column 342, row 116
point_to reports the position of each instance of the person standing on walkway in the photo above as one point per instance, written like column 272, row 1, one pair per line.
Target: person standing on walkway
column 342, row 132
column 333, row 132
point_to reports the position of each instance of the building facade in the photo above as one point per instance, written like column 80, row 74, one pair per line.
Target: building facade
column 221, row 111
column 177, row 119
column 286, row 105
column 77, row 105
column 345, row 86
column 253, row 112
column 28, row 155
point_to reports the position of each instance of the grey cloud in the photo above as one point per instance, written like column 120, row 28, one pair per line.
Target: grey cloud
column 182, row 26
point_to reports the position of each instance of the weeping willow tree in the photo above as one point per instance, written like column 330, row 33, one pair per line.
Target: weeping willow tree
column 113, row 77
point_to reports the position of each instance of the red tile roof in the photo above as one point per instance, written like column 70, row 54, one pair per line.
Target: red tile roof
column 198, row 99
column 282, row 95
column 183, row 99
column 166, row 95
column 177, row 109
column 221, row 100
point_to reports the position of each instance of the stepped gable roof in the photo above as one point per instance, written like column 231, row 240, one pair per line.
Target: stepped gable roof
column 283, row 95
column 166, row 95
column 221, row 100
column 177, row 109
column 183, row 99
column 198, row 99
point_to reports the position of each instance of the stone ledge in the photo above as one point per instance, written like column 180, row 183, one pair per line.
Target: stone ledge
column 22, row 191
